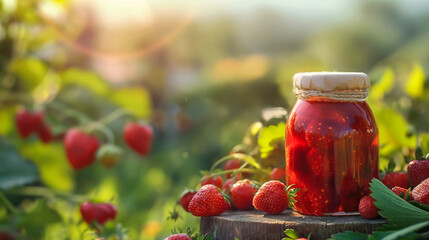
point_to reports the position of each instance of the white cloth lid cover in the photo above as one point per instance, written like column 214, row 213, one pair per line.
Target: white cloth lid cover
column 331, row 81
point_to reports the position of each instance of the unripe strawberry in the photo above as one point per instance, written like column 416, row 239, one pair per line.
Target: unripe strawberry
column 109, row 155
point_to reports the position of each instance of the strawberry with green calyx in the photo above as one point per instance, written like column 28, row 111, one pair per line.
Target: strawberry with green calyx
column 80, row 148
column 185, row 198
column 367, row 209
column 212, row 179
column 274, row 197
column 403, row 193
column 139, row 137
column 208, row 201
column 421, row 192
column 418, row 170
column 293, row 235
column 242, row 193
column 109, row 155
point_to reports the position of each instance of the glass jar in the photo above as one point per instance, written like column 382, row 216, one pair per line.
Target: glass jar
column 331, row 143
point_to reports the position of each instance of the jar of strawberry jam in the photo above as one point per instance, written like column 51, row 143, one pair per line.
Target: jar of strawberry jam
column 331, row 143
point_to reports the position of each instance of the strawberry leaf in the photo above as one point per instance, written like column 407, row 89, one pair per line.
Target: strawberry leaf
column 419, row 153
column 408, row 231
column 291, row 233
column 395, row 209
column 349, row 235
column 420, row 205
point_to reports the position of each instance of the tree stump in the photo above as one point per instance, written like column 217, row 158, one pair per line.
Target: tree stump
column 248, row 225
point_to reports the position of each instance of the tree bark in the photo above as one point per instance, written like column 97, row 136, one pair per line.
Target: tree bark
column 249, row 225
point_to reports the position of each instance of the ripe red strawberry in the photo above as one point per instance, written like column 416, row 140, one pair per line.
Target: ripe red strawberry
column 208, row 201
column 232, row 164
column 80, row 148
column 396, row 179
column 44, row 133
column 242, row 193
column 367, row 209
column 418, row 171
column 215, row 180
column 403, row 193
column 272, row 197
column 139, row 137
column 27, row 122
column 180, row 236
column 226, row 188
column 421, row 192
column 278, row 174
column 186, row 198
column 97, row 212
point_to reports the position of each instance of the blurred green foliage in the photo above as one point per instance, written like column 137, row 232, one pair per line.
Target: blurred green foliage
column 197, row 125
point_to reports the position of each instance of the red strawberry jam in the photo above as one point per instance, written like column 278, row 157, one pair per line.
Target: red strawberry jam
column 331, row 154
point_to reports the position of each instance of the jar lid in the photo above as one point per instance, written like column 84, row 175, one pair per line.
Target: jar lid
column 331, row 81
column 335, row 85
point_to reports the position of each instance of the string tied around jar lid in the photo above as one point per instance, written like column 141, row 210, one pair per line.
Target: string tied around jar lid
column 342, row 86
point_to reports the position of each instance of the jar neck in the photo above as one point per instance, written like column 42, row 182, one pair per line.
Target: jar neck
column 338, row 95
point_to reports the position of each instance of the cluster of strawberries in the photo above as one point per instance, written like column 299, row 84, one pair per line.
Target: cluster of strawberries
column 215, row 196
column 81, row 147
column 412, row 185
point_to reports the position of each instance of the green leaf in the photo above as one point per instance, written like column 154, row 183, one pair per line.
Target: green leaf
column 6, row 120
column 416, row 81
column 419, row 153
column 136, row 100
column 268, row 136
column 384, row 85
column 349, row 235
column 393, row 129
column 54, row 169
column 395, row 209
column 14, row 171
column 424, row 141
column 291, row 233
column 246, row 158
column 408, row 231
column 420, row 205
column 35, row 219
column 85, row 79
column 30, row 72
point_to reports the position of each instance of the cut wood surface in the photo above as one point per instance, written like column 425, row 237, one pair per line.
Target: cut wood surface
column 248, row 225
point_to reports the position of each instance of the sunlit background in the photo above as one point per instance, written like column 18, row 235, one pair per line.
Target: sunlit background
column 200, row 71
